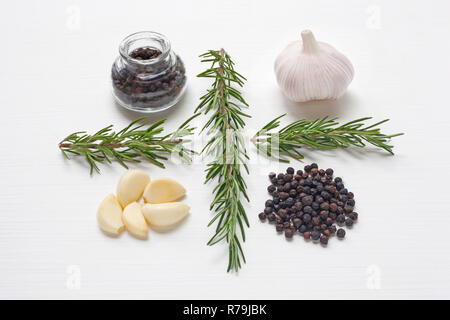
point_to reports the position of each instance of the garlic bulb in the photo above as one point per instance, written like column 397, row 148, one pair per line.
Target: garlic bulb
column 310, row 70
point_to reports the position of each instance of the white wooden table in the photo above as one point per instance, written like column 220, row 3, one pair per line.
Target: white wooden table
column 56, row 58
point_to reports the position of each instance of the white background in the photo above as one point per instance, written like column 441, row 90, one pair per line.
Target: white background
column 54, row 79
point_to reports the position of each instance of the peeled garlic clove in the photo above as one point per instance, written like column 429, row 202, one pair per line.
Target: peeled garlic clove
column 131, row 186
column 165, row 216
column 109, row 216
column 135, row 221
column 163, row 190
column 310, row 70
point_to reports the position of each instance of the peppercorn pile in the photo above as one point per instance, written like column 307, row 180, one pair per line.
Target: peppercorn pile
column 148, row 85
column 310, row 202
column 145, row 53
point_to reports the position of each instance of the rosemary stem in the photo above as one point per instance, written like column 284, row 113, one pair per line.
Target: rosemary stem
column 113, row 145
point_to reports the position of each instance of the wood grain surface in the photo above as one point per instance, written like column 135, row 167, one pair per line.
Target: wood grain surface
column 56, row 59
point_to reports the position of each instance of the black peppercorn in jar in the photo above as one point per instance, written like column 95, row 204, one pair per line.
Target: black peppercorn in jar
column 147, row 76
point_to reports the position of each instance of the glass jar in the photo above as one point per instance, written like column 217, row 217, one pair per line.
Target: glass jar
column 147, row 76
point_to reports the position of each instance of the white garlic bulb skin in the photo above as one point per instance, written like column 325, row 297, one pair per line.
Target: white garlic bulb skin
column 310, row 70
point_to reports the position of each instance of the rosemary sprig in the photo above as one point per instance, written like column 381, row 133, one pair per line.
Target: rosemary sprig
column 131, row 144
column 322, row 133
column 226, row 145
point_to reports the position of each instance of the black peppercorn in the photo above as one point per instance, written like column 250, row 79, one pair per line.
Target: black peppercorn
column 269, row 203
column 348, row 208
column 329, row 221
column 302, row 229
column 340, row 219
column 332, row 189
column 284, row 195
column 288, row 233
column 289, row 202
column 282, row 213
column 348, row 222
column 262, row 216
column 351, row 202
column 340, row 233
column 308, row 182
column 297, row 222
column 298, row 206
column 286, row 187
column 279, row 227
column 333, row 207
column 290, row 170
column 314, row 165
column 271, row 188
column 272, row 175
column 307, row 200
column 306, row 218
column 353, row 216
column 333, row 229
column 315, row 205
column 343, row 191
column 325, row 195
column 316, row 221
column 306, row 235
column 308, row 210
column 329, row 172
column 268, row 210
column 324, row 206
column 323, row 214
column 315, row 235
column 324, row 240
